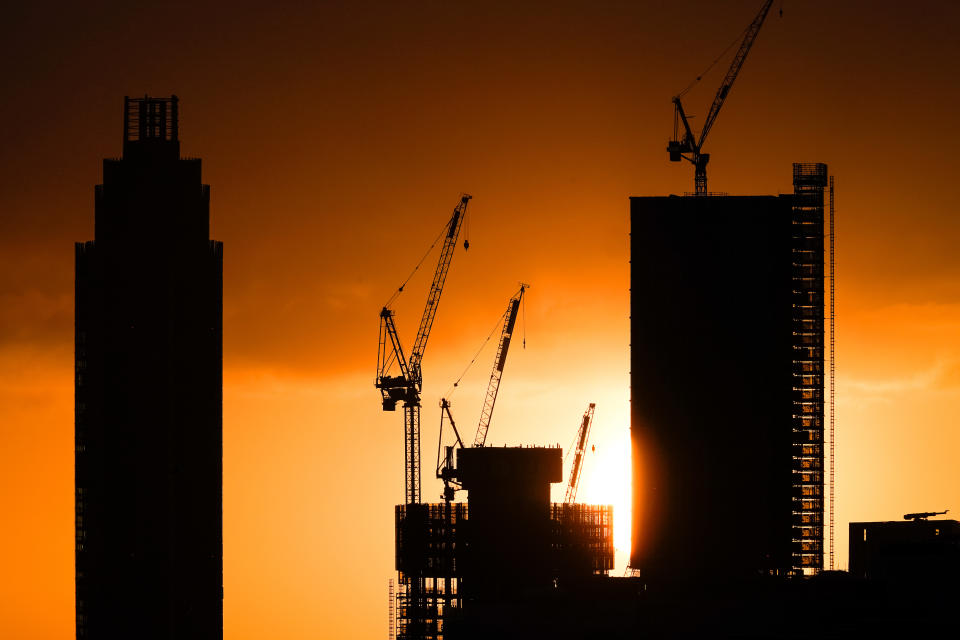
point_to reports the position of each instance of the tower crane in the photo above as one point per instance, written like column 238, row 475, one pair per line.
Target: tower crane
column 582, row 436
column 445, row 463
column 406, row 386
column 689, row 147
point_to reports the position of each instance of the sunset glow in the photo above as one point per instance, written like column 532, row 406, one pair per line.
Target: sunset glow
column 336, row 138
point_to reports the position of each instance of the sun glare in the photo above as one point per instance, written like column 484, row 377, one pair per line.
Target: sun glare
column 605, row 478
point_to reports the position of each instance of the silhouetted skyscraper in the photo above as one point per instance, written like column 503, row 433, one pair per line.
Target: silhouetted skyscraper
column 148, row 423
column 727, row 380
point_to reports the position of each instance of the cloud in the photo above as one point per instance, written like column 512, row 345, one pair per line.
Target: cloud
column 942, row 375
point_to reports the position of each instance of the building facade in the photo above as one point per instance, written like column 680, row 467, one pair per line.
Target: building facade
column 148, row 392
column 911, row 553
column 727, row 380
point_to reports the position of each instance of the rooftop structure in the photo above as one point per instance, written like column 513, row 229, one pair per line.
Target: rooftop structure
column 906, row 551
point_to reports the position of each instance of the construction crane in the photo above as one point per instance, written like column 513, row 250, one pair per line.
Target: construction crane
column 924, row 515
column 445, row 464
column 689, row 148
column 582, row 437
column 493, row 387
column 406, row 386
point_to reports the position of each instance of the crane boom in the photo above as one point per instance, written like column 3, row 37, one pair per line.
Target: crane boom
column 493, row 387
column 436, row 288
column 748, row 39
column 582, row 436
column 406, row 386
column 689, row 144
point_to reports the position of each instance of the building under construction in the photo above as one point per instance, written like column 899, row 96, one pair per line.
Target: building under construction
column 507, row 543
column 727, row 382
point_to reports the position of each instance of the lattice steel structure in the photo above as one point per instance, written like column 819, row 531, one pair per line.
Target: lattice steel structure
column 833, row 365
column 582, row 538
column 427, row 539
column 807, row 248
column 433, row 540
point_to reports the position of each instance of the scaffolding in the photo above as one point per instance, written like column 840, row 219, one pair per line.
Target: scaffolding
column 807, row 320
column 391, row 612
column 431, row 540
column 427, row 539
column 582, row 541
column 833, row 367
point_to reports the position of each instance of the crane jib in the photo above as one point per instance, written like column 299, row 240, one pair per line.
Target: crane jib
column 514, row 308
column 504, row 347
column 583, row 432
column 454, row 229
column 486, row 413
column 690, row 144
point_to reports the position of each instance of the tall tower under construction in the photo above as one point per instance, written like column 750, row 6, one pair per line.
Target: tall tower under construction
column 727, row 381
column 148, row 389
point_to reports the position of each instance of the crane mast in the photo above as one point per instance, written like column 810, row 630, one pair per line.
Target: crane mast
column 582, row 437
column 688, row 147
column 406, row 386
column 493, row 387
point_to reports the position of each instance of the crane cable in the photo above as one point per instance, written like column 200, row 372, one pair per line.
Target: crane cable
column 417, row 268
column 525, row 323
column 500, row 321
column 456, row 384
column 573, row 445
column 712, row 64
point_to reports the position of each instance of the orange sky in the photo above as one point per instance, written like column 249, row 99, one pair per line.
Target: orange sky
column 336, row 138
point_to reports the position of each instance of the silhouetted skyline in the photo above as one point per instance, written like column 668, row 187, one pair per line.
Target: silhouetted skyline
column 334, row 136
